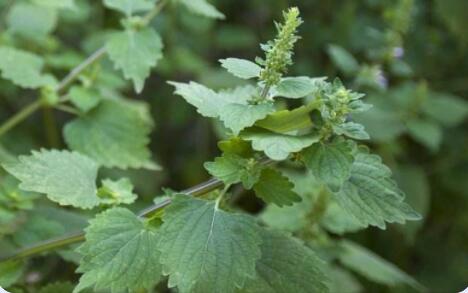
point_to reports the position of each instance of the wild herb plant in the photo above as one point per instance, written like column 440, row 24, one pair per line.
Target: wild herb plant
column 198, row 240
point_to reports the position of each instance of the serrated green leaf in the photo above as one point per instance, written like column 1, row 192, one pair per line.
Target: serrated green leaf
column 286, row 266
column 275, row 188
column 31, row 21
column 117, row 192
column 119, row 253
column 241, row 68
column 371, row 196
column 426, row 132
column 233, row 169
column 207, row 101
column 343, row 59
column 337, row 220
column 373, row 267
column 351, row 129
column 238, row 117
column 205, row 249
column 83, row 98
column 203, row 8
column 296, row 87
column 67, row 178
column 232, row 106
column 278, row 146
column 130, row 7
column 330, row 162
column 135, row 53
column 23, row 68
column 114, row 134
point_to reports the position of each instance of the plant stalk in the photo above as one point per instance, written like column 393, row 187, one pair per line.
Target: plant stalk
column 20, row 116
column 79, row 236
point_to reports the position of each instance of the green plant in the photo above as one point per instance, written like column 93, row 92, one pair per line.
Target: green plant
column 305, row 162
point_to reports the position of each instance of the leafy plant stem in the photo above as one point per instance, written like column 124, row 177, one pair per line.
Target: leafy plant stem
column 20, row 116
column 50, row 124
column 77, row 237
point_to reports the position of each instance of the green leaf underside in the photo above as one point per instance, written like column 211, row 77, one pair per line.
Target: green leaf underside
column 237, row 117
column 231, row 107
column 287, row 121
column 119, row 253
column 241, row 68
column 114, row 134
column 83, row 98
column 286, row 266
column 130, row 7
column 297, row 87
column 351, row 129
column 373, row 267
column 273, row 187
column 231, row 169
column 278, row 146
column 23, row 68
column 203, row 8
column 135, row 53
column 371, row 195
column 205, row 249
column 117, row 192
column 330, row 163
column 67, row 178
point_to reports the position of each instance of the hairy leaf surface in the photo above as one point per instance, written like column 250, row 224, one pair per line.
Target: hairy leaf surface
column 119, row 253
column 330, row 163
column 114, row 134
column 67, row 178
column 205, row 249
column 241, row 68
column 273, row 187
column 277, row 146
column 286, row 266
column 371, row 195
column 135, row 53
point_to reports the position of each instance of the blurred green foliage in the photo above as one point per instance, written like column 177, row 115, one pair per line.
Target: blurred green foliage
column 410, row 58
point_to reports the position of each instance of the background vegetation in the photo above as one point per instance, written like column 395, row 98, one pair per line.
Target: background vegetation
column 410, row 58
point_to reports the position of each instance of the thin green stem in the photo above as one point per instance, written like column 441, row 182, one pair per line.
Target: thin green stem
column 77, row 237
column 20, row 116
column 70, row 78
column 46, row 246
column 155, row 11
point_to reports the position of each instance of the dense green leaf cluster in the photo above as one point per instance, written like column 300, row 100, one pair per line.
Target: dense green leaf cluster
column 295, row 170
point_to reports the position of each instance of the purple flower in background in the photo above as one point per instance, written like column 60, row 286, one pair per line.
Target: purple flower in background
column 381, row 79
column 398, row 52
